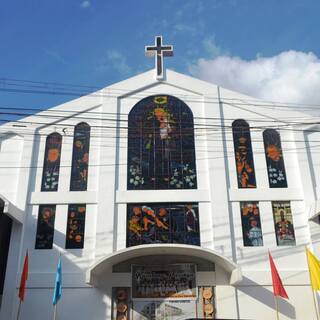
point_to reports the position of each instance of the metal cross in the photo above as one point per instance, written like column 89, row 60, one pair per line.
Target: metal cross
column 159, row 51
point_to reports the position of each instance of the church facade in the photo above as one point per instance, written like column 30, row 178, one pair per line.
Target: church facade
column 163, row 197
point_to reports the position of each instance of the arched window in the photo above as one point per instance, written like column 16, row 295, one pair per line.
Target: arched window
column 274, row 158
column 51, row 164
column 243, row 154
column 161, row 152
column 80, row 157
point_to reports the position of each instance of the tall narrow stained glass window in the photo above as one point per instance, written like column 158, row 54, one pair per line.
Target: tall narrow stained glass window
column 251, row 224
column 161, row 153
column 163, row 223
column 243, row 154
column 75, row 226
column 51, row 164
column 283, row 223
column 274, row 158
column 45, row 227
column 80, row 157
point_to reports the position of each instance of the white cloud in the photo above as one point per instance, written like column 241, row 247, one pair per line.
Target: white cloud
column 290, row 76
column 85, row 4
column 115, row 60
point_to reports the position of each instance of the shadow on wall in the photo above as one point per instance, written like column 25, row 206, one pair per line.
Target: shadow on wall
column 78, row 298
column 265, row 296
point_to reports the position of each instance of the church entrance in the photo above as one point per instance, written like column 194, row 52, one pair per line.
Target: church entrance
column 5, row 234
column 164, row 288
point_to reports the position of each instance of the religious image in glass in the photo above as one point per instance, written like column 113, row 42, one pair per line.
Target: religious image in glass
column 162, row 223
column 243, row 154
column 75, row 226
column 283, row 223
column 80, row 157
column 51, row 165
column 45, row 227
column 274, row 158
column 251, row 224
column 161, row 153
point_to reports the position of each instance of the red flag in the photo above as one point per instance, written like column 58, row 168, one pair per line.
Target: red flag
column 24, row 277
column 278, row 288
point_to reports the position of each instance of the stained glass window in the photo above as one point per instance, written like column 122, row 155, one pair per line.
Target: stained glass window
column 243, row 154
column 45, row 227
column 283, row 223
column 275, row 164
column 51, row 165
column 161, row 152
column 162, row 223
column 80, row 157
column 75, row 226
column 251, row 224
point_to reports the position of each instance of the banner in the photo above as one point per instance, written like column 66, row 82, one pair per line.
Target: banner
column 176, row 281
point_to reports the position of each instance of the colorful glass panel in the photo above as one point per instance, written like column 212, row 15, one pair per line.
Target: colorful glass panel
column 283, row 223
column 251, row 224
column 161, row 152
column 243, row 154
column 45, row 227
column 274, row 158
column 75, row 226
column 163, row 223
column 51, row 165
column 80, row 157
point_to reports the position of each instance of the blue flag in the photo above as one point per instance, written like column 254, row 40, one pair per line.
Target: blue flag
column 58, row 285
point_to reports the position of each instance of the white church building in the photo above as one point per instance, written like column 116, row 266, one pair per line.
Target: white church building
column 163, row 194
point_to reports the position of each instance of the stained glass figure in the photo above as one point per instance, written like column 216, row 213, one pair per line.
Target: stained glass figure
column 243, row 154
column 283, row 223
column 45, row 227
column 251, row 224
column 274, row 158
column 51, row 165
column 163, row 223
column 80, row 157
column 75, row 226
column 161, row 152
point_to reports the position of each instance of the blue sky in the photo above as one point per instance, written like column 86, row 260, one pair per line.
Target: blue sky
column 99, row 42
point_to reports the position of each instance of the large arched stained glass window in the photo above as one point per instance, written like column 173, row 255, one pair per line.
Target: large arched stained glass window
column 274, row 158
column 51, row 165
column 161, row 152
column 243, row 154
column 80, row 157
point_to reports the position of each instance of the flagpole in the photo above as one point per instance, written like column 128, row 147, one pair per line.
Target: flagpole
column 314, row 300
column 277, row 307
column 19, row 309
column 55, row 312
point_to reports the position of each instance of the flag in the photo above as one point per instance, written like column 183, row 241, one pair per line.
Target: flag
column 58, row 285
column 314, row 269
column 278, row 288
column 24, row 277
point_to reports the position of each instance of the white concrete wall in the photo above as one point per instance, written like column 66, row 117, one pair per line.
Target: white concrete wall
column 217, row 194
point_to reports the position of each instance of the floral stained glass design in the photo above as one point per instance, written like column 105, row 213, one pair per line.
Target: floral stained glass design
column 80, row 157
column 163, row 223
column 45, row 227
column 243, row 154
column 274, row 158
column 283, row 223
column 251, row 224
column 51, row 165
column 161, row 152
column 75, row 226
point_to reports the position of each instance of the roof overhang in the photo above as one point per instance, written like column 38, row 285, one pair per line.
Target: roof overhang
column 100, row 267
column 11, row 210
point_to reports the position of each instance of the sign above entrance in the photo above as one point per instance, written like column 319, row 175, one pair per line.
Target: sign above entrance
column 175, row 281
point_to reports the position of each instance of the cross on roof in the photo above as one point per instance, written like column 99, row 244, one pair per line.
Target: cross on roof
column 159, row 51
